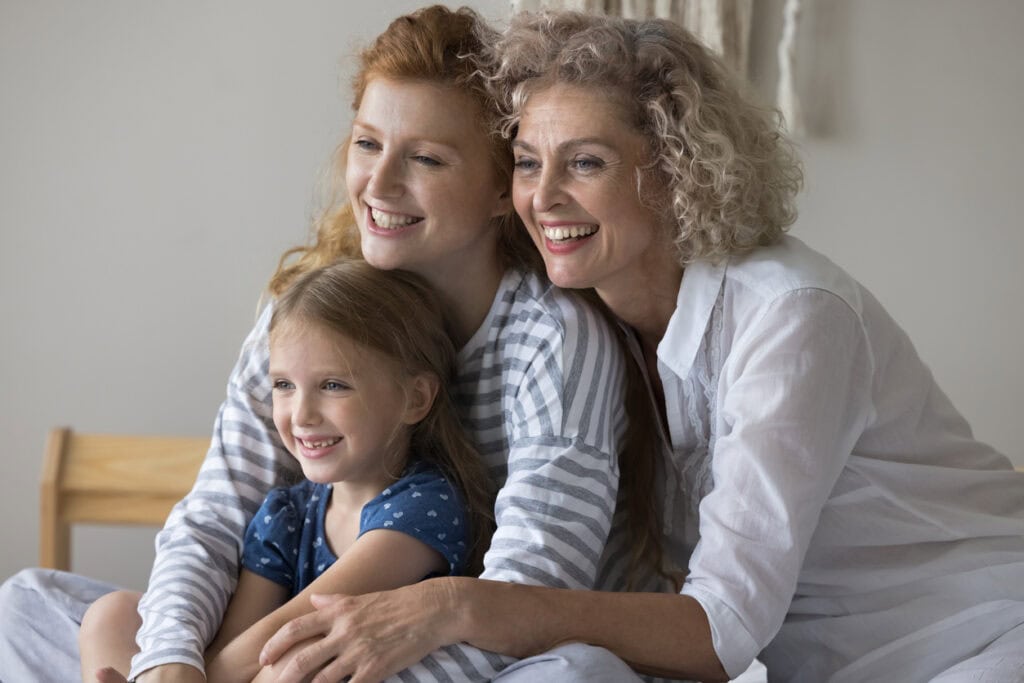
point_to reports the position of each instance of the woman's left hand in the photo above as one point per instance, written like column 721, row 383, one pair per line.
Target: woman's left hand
column 367, row 637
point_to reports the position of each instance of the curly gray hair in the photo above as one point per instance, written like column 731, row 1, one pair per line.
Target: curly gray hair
column 729, row 173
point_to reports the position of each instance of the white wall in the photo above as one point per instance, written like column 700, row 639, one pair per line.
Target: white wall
column 156, row 158
column 913, row 179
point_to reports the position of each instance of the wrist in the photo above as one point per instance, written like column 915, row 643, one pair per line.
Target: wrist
column 168, row 673
column 451, row 600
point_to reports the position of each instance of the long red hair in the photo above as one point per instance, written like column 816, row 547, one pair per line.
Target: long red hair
column 437, row 45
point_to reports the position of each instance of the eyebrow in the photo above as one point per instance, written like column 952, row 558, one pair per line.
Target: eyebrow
column 566, row 144
column 433, row 141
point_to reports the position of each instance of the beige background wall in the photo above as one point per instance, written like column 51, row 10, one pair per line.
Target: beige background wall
column 156, row 158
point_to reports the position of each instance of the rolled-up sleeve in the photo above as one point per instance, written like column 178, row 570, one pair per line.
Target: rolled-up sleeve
column 564, row 419
column 198, row 550
column 794, row 395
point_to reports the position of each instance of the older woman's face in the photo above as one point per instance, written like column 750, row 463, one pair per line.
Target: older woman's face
column 575, row 187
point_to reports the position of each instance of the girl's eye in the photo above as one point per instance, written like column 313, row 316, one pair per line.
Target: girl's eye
column 331, row 385
column 283, row 385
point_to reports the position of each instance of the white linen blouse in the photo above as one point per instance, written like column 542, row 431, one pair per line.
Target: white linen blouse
column 836, row 515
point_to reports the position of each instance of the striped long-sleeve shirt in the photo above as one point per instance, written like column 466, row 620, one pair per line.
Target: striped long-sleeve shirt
column 540, row 386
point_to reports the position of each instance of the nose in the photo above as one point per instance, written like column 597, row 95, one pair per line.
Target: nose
column 386, row 177
column 549, row 191
column 305, row 411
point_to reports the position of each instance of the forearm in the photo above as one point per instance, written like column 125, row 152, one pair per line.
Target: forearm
column 195, row 568
column 659, row 634
column 238, row 661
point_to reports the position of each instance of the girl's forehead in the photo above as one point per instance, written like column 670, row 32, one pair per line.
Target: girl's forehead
column 306, row 338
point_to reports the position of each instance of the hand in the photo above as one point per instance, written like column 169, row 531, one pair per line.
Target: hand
column 368, row 637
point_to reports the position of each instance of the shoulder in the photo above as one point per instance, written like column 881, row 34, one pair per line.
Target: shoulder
column 254, row 358
column 285, row 505
column 420, row 483
column 424, row 505
column 789, row 269
column 541, row 317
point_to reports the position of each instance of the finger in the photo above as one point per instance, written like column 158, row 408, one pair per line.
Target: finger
column 306, row 661
column 321, row 600
column 334, row 672
column 295, row 631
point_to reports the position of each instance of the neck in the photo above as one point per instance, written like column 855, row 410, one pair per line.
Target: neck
column 646, row 299
column 467, row 295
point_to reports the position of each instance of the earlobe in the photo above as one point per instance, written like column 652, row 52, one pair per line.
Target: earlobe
column 503, row 204
column 422, row 392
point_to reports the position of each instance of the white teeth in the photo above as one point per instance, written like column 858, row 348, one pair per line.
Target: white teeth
column 319, row 444
column 560, row 234
column 390, row 221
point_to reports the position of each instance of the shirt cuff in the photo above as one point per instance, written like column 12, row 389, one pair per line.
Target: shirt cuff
column 179, row 648
column 735, row 647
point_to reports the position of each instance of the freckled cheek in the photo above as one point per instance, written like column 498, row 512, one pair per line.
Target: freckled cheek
column 355, row 175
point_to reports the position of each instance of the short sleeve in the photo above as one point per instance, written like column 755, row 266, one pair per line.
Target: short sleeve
column 425, row 506
column 271, row 541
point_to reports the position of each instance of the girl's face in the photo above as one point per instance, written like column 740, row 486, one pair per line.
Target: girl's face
column 575, row 187
column 421, row 179
column 342, row 410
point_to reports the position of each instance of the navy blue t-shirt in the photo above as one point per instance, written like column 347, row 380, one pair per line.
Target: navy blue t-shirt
column 286, row 540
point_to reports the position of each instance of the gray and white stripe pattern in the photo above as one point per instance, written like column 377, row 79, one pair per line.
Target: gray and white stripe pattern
column 541, row 390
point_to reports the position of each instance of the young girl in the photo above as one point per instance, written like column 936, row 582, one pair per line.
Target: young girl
column 393, row 491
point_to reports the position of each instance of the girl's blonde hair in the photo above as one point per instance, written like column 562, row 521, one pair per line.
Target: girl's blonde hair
column 436, row 45
column 395, row 313
column 719, row 165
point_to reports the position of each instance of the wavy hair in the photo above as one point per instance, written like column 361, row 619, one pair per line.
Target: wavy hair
column 718, row 169
column 437, row 45
column 719, row 165
column 395, row 313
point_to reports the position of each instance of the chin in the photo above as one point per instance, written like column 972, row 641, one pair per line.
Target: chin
column 321, row 477
column 384, row 259
column 568, row 280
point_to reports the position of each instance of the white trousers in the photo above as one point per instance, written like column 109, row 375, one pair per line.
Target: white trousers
column 41, row 611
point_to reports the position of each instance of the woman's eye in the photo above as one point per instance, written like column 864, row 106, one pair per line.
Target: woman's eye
column 525, row 164
column 365, row 145
column 587, row 164
column 426, row 160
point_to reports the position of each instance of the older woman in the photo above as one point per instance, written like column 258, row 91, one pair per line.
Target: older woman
column 831, row 507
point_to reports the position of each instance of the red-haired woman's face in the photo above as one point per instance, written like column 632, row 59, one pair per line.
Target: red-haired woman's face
column 422, row 181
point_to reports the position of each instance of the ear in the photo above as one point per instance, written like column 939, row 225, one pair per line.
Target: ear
column 502, row 203
column 422, row 391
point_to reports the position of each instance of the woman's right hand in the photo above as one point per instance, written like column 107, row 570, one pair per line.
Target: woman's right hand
column 368, row 637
